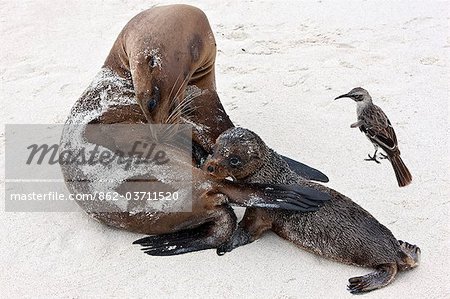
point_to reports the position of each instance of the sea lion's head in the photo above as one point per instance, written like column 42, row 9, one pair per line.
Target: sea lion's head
column 159, row 106
column 237, row 153
column 161, row 88
column 170, row 104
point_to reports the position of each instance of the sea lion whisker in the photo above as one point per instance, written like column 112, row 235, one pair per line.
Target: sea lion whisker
column 176, row 97
column 178, row 110
column 184, row 109
column 173, row 87
column 168, row 132
column 180, row 88
column 187, row 101
column 174, row 113
column 171, row 115
column 187, row 112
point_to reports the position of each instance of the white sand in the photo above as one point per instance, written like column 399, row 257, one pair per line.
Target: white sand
column 298, row 56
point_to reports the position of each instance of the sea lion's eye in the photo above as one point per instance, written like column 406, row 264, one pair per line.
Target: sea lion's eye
column 234, row 162
column 153, row 99
column 151, row 105
column 152, row 62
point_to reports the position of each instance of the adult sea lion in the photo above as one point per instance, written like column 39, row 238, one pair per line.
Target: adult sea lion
column 201, row 202
column 160, row 62
column 340, row 230
column 167, row 54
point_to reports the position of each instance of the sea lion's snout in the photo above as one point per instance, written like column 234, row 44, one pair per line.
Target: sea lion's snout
column 210, row 168
column 214, row 168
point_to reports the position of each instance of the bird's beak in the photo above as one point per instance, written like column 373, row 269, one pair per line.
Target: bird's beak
column 342, row 96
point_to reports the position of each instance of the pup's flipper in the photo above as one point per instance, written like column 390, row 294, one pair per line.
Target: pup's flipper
column 305, row 171
column 375, row 280
column 274, row 196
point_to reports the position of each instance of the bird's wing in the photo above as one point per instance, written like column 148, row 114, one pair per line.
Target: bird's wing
column 378, row 128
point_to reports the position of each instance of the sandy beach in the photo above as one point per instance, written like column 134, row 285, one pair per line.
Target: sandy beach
column 279, row 66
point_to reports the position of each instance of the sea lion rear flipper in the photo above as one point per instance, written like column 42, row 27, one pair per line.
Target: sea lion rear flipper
column 305, row 171
column 216, row 227
column 179, row 242
column 375, row 280
column 409, row 256
column 206, row 236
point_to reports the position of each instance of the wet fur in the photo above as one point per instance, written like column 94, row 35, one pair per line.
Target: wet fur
column 341, row 230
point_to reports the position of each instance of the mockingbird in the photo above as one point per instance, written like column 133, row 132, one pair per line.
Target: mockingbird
column 377, row 127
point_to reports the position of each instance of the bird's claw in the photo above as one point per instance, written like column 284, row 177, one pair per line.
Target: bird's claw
column 372, row 158
column 383, row 156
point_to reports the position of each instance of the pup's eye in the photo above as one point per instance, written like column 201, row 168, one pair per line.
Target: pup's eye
column 234, row 162
column 151, row 105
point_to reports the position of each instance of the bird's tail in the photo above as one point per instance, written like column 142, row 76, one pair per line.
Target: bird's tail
column 401, row 171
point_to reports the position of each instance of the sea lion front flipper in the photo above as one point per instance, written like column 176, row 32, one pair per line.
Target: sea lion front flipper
column 375, row 280
column 239, row 238
column 274, row 196
column 305, row 171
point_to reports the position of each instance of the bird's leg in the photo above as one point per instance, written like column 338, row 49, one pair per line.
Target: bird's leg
column 383, row 156
column 374, row 157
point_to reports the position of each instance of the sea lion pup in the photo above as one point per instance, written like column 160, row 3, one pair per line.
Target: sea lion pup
column 166, row 55
column 341, row 230
column 201, row 204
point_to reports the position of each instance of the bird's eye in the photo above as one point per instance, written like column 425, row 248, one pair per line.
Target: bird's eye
column 151, row 105
column 234, row 162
